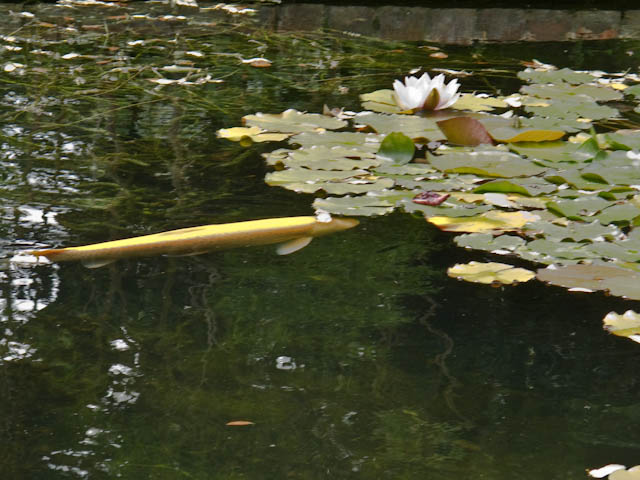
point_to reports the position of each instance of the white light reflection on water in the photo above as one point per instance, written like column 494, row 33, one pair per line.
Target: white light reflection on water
column 92, row 450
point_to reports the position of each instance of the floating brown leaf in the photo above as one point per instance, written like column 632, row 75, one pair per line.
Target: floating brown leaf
column 465, row 131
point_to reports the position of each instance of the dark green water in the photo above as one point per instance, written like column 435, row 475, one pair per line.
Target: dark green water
column 356, row 357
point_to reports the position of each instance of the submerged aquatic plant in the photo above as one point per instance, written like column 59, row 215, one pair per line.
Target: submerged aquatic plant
column 425, row 93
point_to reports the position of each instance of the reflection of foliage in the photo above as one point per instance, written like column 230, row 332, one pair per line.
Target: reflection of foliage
column 413, row 447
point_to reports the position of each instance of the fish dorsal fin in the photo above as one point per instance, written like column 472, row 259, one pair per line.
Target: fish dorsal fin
column 293, row 245
column 97, row 262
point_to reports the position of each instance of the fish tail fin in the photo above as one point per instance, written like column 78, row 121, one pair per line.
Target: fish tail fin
column 50, row 253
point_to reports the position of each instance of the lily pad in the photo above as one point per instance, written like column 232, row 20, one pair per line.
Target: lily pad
column 413, row 126
column 554, row 76
column 624, row 139
column 550, row 153
column 595, row 92
column 575, row 231
column 625, row 325
column 502, row 244
column 398, row 148
column 616, row 280
column 478, row 103
column 513, row 135
column 321, row 157
column 380, row 101
column 577, row 107
column 362, row 141
column 293, row 121
column 493, row 221
column 580, row 208
column 490, row 273
column 489, row 163
column 348, row 205
column 502, row 186
column 254, row 134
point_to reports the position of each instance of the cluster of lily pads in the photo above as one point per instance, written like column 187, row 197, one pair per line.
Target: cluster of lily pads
column 522, row 176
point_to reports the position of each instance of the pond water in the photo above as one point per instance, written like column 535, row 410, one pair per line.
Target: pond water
column 356, row 357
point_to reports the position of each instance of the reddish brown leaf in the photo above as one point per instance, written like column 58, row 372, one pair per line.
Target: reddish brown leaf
column 430, row 198
column 465, row 131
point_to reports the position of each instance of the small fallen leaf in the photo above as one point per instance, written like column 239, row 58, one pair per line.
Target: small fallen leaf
column 239, row 423
column 438, row 55
column 258, row 62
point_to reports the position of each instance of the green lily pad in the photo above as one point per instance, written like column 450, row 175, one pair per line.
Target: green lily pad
column 321, row 157
column 614, row 251
column 633, row 90
column 576, row 231
column 579, row 106
column 380, row 101
column 451, row 208
column 574, row 177
column 363, row 206
column 502, row 244
column 410, row 169
column 565, row 124
column 555, row 76
column 580, row 208
column 625, row 213
column 558, row 251
column 362, row 141
column 502, row 186
column 489, row 163
column 398, row 148
column 411, row 125
column 550, row 153
column 478, row 103
column 490, row 273
column 293, row 121
column 624, row 139
column 332, row 182
column 616, row 280
column 595, row 92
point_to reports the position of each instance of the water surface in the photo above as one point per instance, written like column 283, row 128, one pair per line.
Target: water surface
column 356, row 357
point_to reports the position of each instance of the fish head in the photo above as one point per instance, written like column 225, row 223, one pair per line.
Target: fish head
column 333, row 225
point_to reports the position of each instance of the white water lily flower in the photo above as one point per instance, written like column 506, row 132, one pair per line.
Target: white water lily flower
column 425, row 93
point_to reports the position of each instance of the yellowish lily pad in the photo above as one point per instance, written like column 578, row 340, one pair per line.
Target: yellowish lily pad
column 493, row 221
column 490, row 273
column 625, row 325
column 255, row 134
